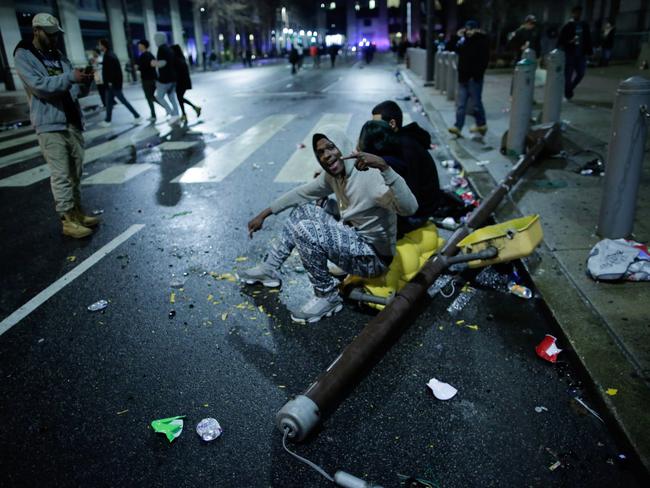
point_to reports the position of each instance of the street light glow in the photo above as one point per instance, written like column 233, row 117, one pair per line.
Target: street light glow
column 202, row 9
column 332, row 5
column 371, row 4
column 308, row 33
column 302, row 32
column 221, row 37
column 251, row 37
column 357, row 7
column 237, row 37
column 285, row 30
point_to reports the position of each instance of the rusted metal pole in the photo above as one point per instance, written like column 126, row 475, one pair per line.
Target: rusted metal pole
column 300, row 415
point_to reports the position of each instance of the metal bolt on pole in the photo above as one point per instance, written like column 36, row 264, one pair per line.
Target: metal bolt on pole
column 630, row 122
column 452, row 76
column 554, row 87
column 522, row 106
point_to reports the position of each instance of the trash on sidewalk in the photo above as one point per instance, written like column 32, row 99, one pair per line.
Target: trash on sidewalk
column 463, row 298
column 171, row 427
column 449, row 223
column 611, row 391
column 459, row 182
column 98, row 306
column 541, row 409
column 413, row 482
column 172, row 297
column 224, row 276
column 619, row 259
column 483, row 162
column 442, row 391
column 520, row 290
column 241, row 259
column 177, row 283
column 441, row 282
column 96, row 212
column 595, row 167
column 171, row 314
column 555, row 465
column 547, row 349
column 181, row 214
column 209, row 429
column 588, row 408
column 71, row 259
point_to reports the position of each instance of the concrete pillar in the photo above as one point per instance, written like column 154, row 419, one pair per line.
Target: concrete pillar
column 452, row 75
column 625, row 155
column 74, row 44
column 198, row 35
column 118, row 36
column 10, row 36
column 177, row 25
column 150, row 27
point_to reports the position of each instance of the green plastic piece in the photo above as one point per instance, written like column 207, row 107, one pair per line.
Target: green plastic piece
column 171, row 427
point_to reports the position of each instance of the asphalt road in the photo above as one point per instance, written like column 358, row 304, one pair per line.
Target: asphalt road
column 79, row 389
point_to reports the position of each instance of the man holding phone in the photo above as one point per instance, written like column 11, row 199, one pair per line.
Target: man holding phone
column 53, row 87
column 370, row 194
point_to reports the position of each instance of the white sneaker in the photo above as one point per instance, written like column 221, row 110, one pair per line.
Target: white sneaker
column 335, row 270
column 105, row 123
column 174, row 119
column 317, row 308
column 265, row 275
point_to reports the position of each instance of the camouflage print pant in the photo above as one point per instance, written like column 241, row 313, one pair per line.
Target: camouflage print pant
column 319, row 237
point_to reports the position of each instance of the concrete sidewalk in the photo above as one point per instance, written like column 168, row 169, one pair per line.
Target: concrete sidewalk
column 607, row 325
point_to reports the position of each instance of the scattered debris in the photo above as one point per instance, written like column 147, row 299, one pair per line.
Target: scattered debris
column 459, row 182
column 181, row 214
column 122, row 412
column 619, row 259
column 611, row 391
column 482, row 163
column 41, row 340
column 588, row 408
column 595, row 167
column 98, row 306
column 442, row 391
column 98, row 211
column 473, row 327
column 172, row 297
column 172, row 314
column 555, row 465
column 224, row 316
column 224, row 276
column 463, row 298
column 413, row 482
column 209, row 429
column 171, row 427
column 547, row 349
column 520, row 290
column 71, row 259
column 541, row 409
column 177, row 283
column 241, row 259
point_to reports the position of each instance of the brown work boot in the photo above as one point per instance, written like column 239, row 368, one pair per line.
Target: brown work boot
column 85, row 220
column 72, row 227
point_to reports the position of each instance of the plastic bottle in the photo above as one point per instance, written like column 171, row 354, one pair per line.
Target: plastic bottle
column 209, row 429
column 519, row 290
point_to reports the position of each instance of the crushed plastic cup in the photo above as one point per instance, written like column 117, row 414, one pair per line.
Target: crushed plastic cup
column 520, row 290
column 97, row 306
column 547, row 349
column 209, row 429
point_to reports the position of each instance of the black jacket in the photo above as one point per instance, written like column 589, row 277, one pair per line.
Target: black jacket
column 572, row 44
column 111, row 70
column 473, row 56
column 421, row 173
column 183, row 81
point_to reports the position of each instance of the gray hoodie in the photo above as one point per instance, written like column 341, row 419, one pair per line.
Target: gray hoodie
column 49, row 95
column 368, row 200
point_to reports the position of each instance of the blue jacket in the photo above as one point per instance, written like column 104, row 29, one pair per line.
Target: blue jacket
column 49, row 95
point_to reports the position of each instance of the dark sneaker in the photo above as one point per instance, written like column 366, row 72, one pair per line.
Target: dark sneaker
column 317, row 308
column 455, row 131
column 265, row 275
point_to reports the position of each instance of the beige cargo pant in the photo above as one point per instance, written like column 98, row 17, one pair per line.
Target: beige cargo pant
column 64, row 153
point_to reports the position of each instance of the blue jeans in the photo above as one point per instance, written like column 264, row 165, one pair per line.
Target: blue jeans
column 470, row 89
column 111, row 94
column 573, row 65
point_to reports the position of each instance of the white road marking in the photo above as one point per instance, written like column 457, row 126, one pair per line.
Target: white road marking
column 301, row 165
column 11, row 133
column 18, row 141
column 34, row 175
column 30, row 152
column 117, row 174
column 221, row 162
column 66, row 279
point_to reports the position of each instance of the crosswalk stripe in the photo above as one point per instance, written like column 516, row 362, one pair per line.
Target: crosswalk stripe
column 11, row 133
column 301, row 165
column 31, row 152
column 17, row 141
column 222, row 161
column 31, row 176
column 117, row 174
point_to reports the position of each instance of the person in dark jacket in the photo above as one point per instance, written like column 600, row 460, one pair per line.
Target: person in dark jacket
column 575, row 41
column 293, row 59
column 528, row 35
column 419, row 169
column 166, row 83
column 148, row 75
column 473, row 48
column 183, row 81
column 112, row 76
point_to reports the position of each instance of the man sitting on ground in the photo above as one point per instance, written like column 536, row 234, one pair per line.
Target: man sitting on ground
column 362, row 242
column 419, row 169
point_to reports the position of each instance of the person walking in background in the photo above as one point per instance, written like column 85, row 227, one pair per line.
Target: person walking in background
column 315, row 55
column 333, row 52
column 575, row 41
column 293, row 59
column 96, row 62
column 609, row 31
column 183, row 81
column 53, row 86
column 526, row 36
column 166, row 83
column 112, row 75
column 147, row 75
column 473, row 48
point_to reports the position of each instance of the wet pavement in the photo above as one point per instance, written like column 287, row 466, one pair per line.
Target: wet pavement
column 180, row 338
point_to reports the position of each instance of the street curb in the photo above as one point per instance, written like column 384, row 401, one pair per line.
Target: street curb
column 585, row 329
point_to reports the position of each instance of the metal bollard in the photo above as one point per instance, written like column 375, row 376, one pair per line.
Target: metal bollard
column 436, row 70
column 554, row 87
column 443, row 70
column 625, row 158
column 522, row 106
column 452, row 76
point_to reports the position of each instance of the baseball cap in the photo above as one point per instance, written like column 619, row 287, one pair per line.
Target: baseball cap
column 471, row 24
column 531, row 18
column 49, row 23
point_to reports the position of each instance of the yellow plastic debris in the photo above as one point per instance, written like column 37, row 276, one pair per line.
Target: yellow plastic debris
column 460, row 322
column 172, row 297
column 72, row 259
column 210, row 297
column 241, row 259
column 611, row 391
column 473, row 327
column 261, row 308
column 224, row 316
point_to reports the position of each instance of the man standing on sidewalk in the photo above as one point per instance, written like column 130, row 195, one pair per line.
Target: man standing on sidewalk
column 166, row 84
column 148, row 75
column 112, row 75
column 473, row 48
column 575, row 41
column 52, row 87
